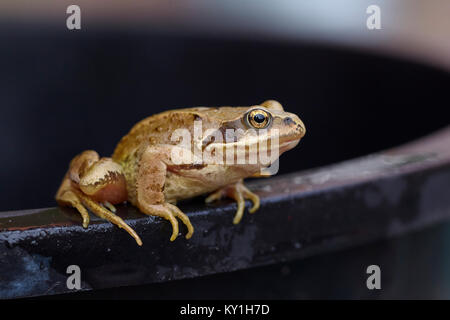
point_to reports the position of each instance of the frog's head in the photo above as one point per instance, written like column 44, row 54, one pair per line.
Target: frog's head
column 271, row 116
column 265, row 126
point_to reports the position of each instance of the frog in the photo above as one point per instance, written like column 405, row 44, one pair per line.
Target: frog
column 143, row 171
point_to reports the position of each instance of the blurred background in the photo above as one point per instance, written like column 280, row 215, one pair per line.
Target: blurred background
column 357, row 90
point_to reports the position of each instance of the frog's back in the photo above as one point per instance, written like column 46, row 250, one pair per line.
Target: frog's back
column 154, row 130
column 157, row 129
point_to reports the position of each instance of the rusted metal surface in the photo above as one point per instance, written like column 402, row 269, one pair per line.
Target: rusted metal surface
column 301, row 214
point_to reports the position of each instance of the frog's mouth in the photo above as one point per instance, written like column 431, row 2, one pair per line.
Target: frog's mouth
column 288, row 144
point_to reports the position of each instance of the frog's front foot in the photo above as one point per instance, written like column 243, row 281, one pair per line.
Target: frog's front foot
column 95, row 184
column 238, row 192
column 169, row 212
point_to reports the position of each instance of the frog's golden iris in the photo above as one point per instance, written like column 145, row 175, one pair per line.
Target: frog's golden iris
column 259, row 118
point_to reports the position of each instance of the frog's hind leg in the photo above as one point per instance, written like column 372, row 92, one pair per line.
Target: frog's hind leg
column 92, row 182
column 108, row 215
column 239, row 193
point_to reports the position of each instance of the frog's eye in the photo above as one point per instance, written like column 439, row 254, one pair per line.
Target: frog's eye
column 259, row 118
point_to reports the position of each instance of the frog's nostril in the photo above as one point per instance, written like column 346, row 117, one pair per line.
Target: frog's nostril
column 300, row 128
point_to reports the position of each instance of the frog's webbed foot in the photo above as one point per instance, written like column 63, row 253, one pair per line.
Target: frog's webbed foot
column 93, row 183
column 80, row 201
column 238, row 192
column 169, row 212
column 106, row 214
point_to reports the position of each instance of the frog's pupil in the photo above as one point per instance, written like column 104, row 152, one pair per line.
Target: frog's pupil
column 259, row 118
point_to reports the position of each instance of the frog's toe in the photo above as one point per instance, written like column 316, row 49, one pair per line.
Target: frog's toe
column 84, row 214
column 110, row 206
column 70, row 198
column 169, row 212
column 215, row 196
column 183, row 217
column 253, row 198
column 174, row 223
column 239, row 193
column 236, row 194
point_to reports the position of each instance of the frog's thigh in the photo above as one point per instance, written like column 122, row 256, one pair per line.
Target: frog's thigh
column 73, row 192
column 150, row 185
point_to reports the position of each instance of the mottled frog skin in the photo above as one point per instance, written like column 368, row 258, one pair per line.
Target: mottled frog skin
column 143, row 172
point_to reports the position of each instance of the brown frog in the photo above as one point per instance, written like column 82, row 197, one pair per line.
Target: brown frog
column 144, row 171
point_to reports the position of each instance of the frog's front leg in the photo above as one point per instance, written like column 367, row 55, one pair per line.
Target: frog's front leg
column 151, row 177
column 94, row 183
column 238, row 192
